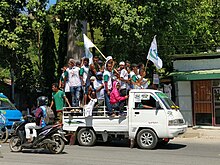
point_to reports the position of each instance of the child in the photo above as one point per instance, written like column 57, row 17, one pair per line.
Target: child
column 117, row 101
column 92, row 96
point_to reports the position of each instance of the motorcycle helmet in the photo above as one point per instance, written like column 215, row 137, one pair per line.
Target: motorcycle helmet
column 42, row 100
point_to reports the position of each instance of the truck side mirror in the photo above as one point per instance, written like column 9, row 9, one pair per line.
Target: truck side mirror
column 158, row 105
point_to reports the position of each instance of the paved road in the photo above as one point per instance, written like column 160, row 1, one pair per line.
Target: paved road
column 179, row 152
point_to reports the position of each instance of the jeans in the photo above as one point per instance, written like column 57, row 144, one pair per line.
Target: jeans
column 119, row 106
column 75, row 93
column 107, row 103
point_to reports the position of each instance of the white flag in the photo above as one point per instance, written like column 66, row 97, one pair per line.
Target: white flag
column 88, row 44
column 153, row 54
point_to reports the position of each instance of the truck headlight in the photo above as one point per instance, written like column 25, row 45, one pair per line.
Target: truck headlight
column 176, row 122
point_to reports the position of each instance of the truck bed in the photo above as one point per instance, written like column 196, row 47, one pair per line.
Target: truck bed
column 73, row 118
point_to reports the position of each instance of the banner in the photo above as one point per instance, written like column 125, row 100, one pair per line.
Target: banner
column 153, row 54
column 88, row 44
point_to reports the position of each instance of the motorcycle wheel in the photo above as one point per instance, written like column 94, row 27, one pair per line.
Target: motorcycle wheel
column 4, row 134
column 15, row 144
column 60, row 144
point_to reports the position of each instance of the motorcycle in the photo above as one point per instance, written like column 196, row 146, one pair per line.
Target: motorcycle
column 3, row 129
column 50, row 137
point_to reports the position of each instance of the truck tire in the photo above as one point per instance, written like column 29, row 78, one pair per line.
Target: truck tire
column 86, row 137
column 147, row 139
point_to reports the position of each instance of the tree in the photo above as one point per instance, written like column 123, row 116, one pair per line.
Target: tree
column 128, row 27
column 14, row 42
column 21, row 26
column 48, row 58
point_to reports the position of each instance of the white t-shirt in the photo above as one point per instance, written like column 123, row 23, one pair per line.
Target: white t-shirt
column 167, row 90
column 97, row 85
column 109, row 74
column 144, row 81
column 132, row 74
column 74, row 79
column 85, row 73
column 67, row 87
column 89, row 107
column 124, row 75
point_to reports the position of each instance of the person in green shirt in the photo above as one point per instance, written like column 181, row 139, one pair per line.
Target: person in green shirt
column 58, row 98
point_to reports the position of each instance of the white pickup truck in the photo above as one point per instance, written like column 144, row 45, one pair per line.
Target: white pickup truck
column 145, row 126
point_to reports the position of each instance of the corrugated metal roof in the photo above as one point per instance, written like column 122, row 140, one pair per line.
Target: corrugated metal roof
column 195, row 56
column 196, row 75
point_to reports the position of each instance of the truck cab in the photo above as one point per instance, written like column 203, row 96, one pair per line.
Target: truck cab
column 151, row 118
column 152, row 114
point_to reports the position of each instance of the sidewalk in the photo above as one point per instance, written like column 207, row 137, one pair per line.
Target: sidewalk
column 206, row 132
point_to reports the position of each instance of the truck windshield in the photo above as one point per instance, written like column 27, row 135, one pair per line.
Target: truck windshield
column 5, row 104
column 166, row 100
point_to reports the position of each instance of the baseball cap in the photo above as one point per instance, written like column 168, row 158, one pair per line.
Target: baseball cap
column 99, row 74
column 134, row 65
column 92, row 78
column 122, row 63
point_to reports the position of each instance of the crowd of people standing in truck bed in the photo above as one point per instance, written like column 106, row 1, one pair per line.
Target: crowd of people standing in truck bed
column 90, row 81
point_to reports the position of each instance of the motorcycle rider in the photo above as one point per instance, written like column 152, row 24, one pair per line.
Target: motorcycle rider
column 40, row 115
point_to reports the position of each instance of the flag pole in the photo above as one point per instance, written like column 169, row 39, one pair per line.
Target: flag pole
column 104, row 57
column 146, row 64
column 100, row 52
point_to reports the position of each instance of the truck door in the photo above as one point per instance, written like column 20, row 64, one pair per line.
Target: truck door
column 143, row 113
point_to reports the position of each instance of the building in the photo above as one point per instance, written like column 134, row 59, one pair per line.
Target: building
column 197, row 88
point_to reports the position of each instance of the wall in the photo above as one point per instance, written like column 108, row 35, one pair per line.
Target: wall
column 201, row 64
column 184, row 100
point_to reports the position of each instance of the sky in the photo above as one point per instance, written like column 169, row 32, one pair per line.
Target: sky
column 51, row 2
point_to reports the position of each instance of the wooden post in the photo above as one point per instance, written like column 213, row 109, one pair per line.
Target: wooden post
column 146, row 65
column 100, row 52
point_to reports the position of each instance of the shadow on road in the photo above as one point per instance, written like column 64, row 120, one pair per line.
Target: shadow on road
column 171, row 146
column 39, row 151
column 126, row 143
column 119, row 143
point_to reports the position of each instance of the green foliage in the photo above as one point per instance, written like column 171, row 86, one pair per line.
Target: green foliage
column 4, row 74
column 123, row 29
column 127, row 27
column 48, row 58
column 21, row 22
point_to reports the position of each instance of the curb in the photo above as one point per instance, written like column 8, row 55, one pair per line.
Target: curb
column 205, row 132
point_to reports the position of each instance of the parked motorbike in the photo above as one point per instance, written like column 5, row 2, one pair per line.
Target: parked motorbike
column 3, row 129
column 50, row 137
column 4, row 134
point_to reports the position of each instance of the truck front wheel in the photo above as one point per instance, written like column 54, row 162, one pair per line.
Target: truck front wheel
column 147, row 139
column 86, row 137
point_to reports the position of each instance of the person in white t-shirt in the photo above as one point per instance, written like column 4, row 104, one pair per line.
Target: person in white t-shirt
column 84, row 71
column 74, row 82
column 167, row 89
column 144, row 82
column 99, row 87
column 123, row 78
column 66, row 82
column 134, row 77
column 107, row 76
